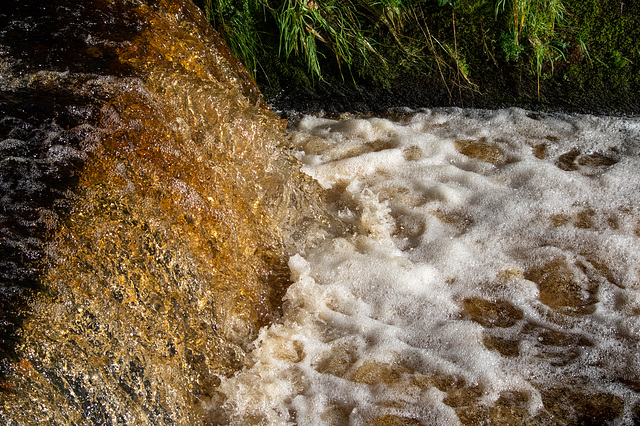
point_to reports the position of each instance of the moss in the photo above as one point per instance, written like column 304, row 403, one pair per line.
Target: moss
column 465, row 55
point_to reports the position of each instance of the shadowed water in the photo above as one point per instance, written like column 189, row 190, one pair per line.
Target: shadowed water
column 146, row 212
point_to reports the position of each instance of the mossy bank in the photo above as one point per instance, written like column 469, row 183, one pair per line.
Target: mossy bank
column 467, row 53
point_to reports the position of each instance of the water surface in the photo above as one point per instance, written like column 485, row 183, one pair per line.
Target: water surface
column 490, row 276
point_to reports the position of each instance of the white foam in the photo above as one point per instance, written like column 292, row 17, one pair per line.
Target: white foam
column 371, row 312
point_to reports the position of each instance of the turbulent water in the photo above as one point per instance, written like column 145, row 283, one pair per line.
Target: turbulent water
column 468, row 267
column 147, row 211
column 491, row 276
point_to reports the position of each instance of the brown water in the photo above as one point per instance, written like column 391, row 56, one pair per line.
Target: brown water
column 148, row 207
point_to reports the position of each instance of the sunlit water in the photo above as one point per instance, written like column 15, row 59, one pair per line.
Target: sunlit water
column 491, row 275
column 147, row 212
column 150, row 202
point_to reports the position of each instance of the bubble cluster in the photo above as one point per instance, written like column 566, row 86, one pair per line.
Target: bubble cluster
column 491, row 276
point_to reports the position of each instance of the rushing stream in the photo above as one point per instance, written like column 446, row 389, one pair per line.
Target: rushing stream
column 170, row 255
column 492, row 276
column 147, row 212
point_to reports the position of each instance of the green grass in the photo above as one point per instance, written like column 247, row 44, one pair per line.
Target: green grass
column 336, row 24
column 237, row 23
column 459, row 42
column 346, row 30
column 534, row 21
column 300, row 25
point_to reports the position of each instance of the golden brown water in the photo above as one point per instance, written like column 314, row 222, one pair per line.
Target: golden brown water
column 166, row 236
column 147, row 209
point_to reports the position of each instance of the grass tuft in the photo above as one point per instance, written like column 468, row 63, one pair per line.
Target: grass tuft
column 353, row 33
column 534, row 21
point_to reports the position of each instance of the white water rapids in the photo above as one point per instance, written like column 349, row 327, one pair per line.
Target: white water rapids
column 492, row 275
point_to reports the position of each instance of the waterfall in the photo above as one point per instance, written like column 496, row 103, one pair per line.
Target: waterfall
column 147, row 212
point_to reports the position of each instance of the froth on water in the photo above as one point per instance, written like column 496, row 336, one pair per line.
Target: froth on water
column 490, row 276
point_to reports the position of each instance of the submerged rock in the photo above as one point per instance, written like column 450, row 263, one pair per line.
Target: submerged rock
column 147, row 211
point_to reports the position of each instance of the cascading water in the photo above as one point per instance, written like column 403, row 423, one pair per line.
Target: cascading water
column 147, row 209
column 490, row 277
column 482, row 268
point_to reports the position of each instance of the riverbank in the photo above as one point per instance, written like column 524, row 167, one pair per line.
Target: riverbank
column 465, row 55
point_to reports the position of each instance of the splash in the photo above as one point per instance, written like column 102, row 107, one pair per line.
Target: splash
column 490, row 276
column 147, row 212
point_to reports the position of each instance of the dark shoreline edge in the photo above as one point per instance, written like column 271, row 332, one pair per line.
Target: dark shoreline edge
column 339, row 98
